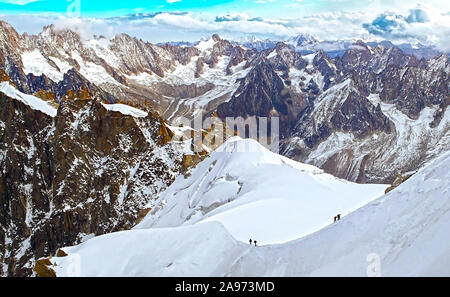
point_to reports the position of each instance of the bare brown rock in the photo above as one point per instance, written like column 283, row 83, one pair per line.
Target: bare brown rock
column 42, row 270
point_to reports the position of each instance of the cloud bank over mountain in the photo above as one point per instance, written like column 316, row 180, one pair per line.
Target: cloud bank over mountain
column 423, row 24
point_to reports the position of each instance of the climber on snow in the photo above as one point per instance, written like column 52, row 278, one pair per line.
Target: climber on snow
column 251, row 241
column 337, row 218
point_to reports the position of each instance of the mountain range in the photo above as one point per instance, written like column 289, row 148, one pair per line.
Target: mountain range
column 369, row 91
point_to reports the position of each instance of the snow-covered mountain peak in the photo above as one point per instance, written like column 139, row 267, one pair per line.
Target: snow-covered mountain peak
column 303, row 40
column 251, row 39
column 206, row 46
column 250, row 153
column 395, row 231
column 244, row 186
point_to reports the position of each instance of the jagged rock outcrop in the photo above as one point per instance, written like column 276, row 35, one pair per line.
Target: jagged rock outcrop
column 87, row 171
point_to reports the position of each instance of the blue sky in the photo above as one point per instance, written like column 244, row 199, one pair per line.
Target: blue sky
column 105, row 8
column 262, row 8
column 426, row 22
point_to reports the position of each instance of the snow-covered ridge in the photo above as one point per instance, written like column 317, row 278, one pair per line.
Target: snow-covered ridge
column 256, row 193
column 41, row 105
column 126, row 110
column 404, row 233
column 32, row 101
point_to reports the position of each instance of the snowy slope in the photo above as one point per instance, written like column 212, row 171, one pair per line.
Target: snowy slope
column 35, row 63
column 407, row 230
column 29, row 100
column 155, row 252
column 258, row 194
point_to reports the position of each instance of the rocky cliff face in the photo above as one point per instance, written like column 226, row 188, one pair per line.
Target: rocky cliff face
column 84, row 172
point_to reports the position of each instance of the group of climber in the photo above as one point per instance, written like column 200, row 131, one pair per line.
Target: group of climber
column 337, row 218
column 253, row 242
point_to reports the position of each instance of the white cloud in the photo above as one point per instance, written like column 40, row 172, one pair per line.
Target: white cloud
column 78, row 25
column 423, row 24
